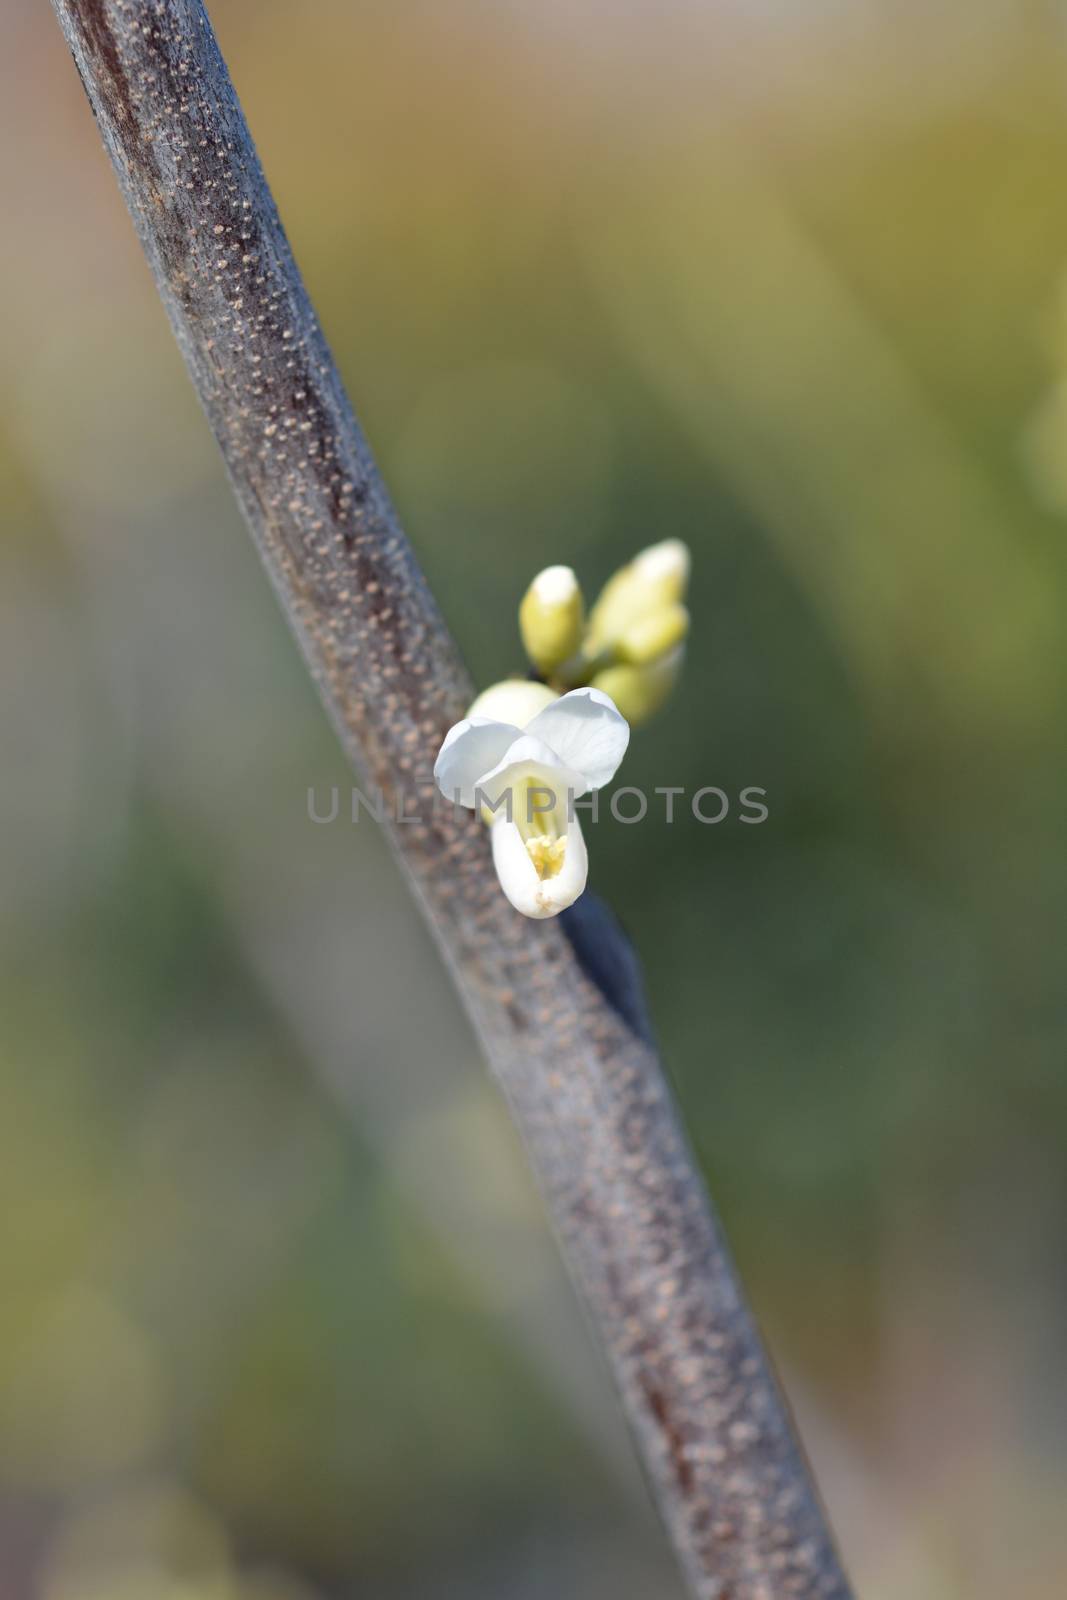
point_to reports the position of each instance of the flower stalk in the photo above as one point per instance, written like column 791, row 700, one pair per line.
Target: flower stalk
column 555, row 1002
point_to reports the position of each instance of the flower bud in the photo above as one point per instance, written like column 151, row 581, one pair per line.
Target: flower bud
column 655, row 578
column 551, row 618
column 653, row 635
column 640, row 691
column 515, row 700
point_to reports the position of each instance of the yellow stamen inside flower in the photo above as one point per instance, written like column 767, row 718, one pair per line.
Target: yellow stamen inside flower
column 542, row 825
column 547, row 855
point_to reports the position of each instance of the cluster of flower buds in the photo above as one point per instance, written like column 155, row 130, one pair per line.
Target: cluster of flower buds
column 632, row 643
column 528, row 750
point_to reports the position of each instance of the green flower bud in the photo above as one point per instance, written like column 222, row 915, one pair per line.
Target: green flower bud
column 653, row 635
column 655, row 578
column 551, row 618
column 640, row 691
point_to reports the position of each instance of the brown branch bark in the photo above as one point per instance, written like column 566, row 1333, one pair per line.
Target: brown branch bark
column 557, row 1005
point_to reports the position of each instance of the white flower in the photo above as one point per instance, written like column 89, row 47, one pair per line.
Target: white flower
column 526, row 772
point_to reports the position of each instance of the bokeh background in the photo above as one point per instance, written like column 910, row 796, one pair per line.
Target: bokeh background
column 279, row 1316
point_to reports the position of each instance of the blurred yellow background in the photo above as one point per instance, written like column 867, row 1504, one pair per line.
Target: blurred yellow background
column 279, row 1317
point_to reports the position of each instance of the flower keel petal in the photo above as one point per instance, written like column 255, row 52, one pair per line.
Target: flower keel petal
column 529, row 892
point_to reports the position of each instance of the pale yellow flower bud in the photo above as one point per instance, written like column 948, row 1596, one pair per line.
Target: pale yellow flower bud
column 655, row 578
column 664, row 566
column 515, row 700
column 653, row 635
column 551, row 618
column 640, row 691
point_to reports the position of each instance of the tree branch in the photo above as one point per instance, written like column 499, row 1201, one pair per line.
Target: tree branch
column 556, row 1005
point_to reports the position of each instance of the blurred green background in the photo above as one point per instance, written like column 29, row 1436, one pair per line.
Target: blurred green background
column 279, row 1317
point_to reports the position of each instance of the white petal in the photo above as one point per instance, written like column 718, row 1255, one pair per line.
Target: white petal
column 528, row 893
column 472, row 747
column 587, row 732
column 528, row 759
